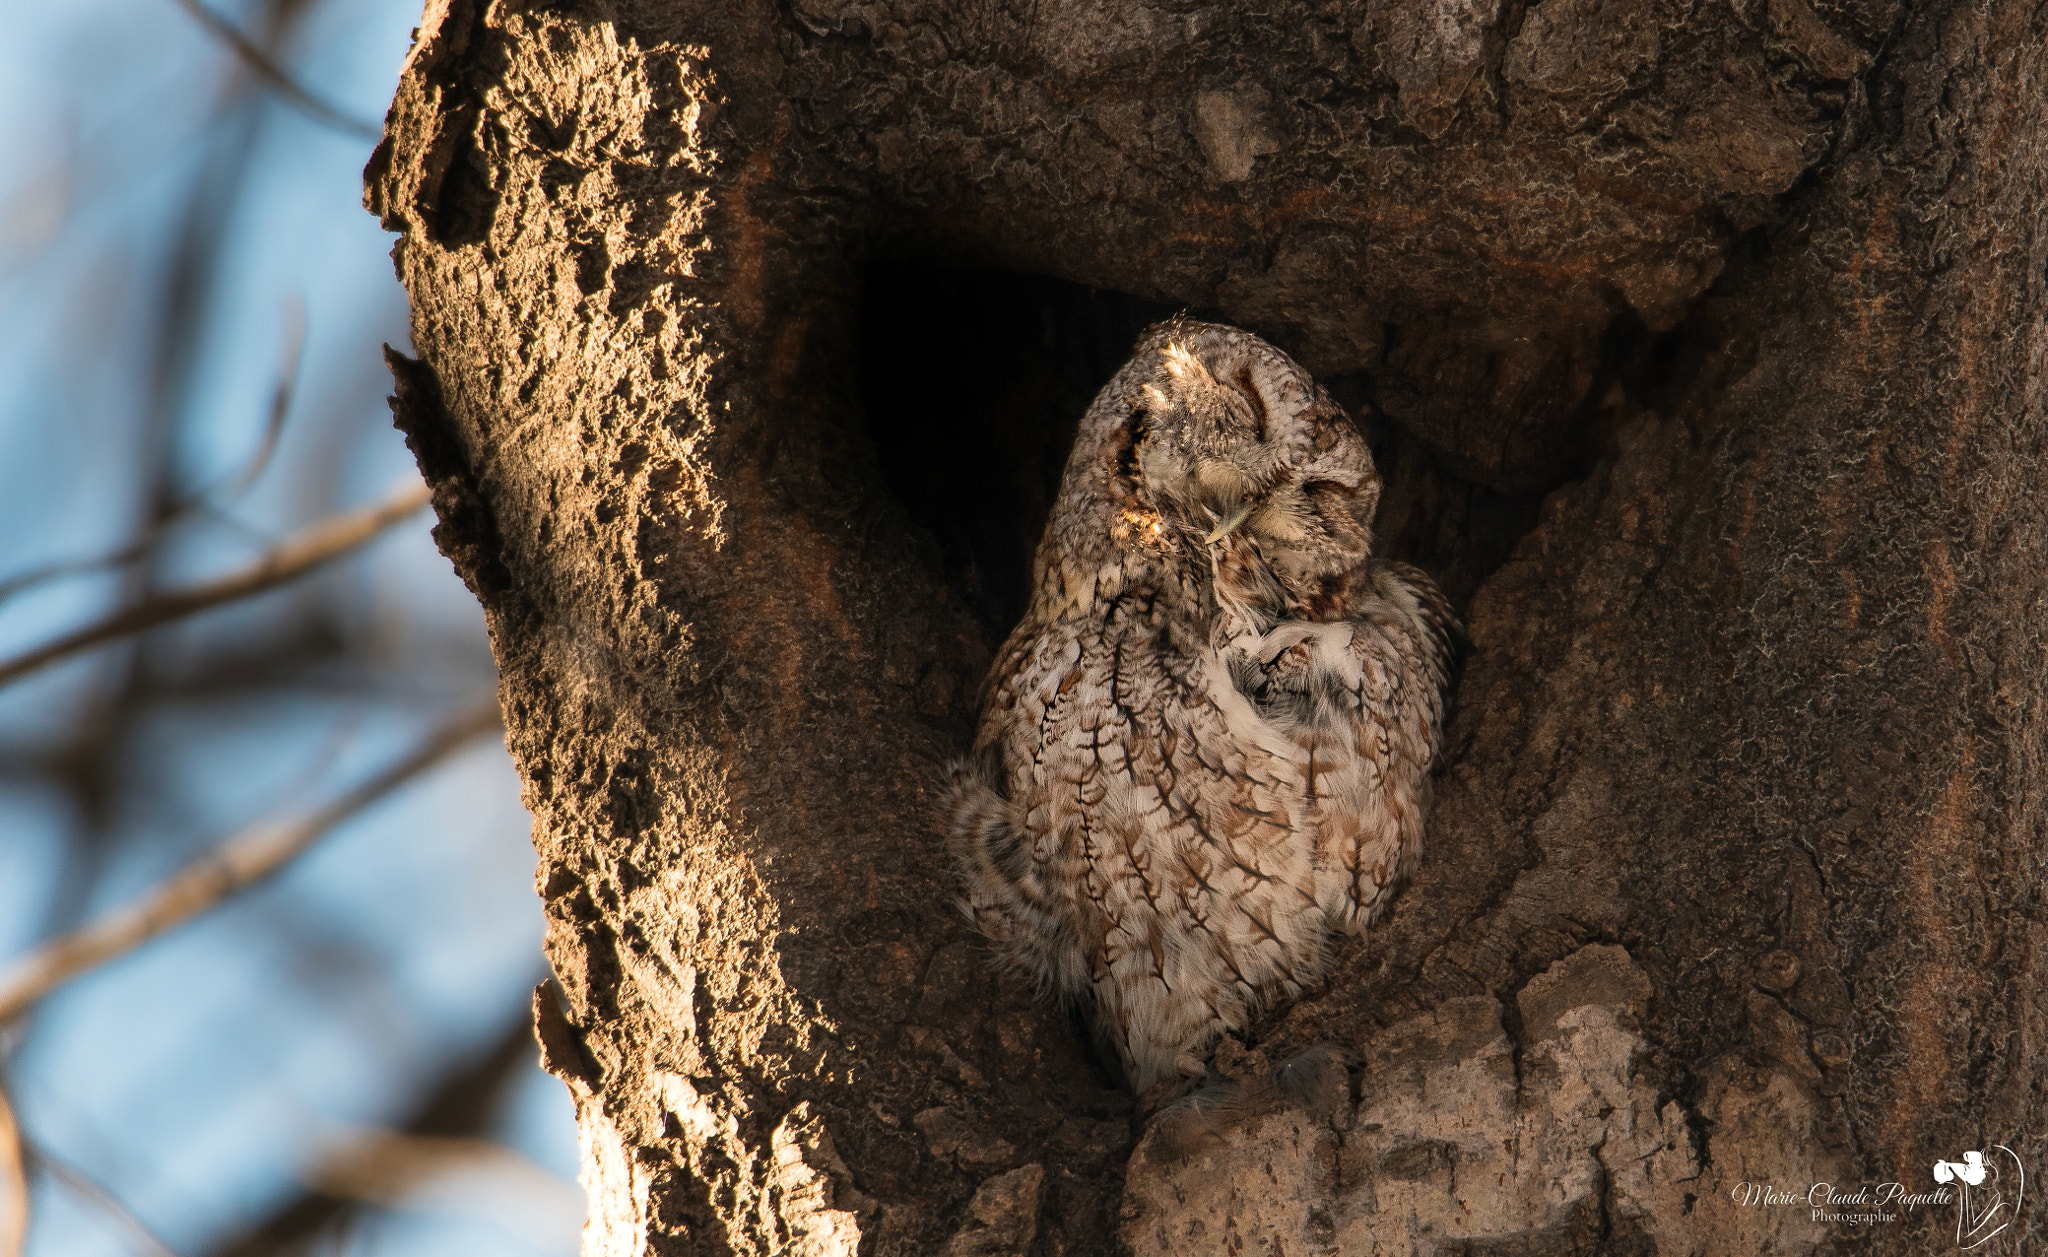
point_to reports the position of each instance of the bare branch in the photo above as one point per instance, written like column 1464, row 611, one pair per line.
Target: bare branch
column 71, row 567
column 234, row 865
column 280, row 406
column 90, row 1190
column 327, row 540
column 278, row 78
column 393, row 1169
column 463, row 1101
column 13, row 1183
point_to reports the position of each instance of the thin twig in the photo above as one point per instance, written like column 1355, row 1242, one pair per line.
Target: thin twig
column 70, row 567
column 13, row 1183
column 206, row 500
column 279, row 79
column 198, row 506
column 241, row 861
column 93, row 1192
column 464, row 1098
column 280, row 406
column 393, row 1167
column 329, row 539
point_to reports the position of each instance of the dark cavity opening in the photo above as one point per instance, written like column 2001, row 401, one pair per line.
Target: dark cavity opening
column 974, row 382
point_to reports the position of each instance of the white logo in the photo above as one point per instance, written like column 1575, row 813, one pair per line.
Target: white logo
column 1989, row 1203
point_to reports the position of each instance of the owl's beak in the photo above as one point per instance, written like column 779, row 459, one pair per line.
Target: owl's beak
column 1230, row 525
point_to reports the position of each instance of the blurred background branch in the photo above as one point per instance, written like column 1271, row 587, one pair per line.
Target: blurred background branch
column 237, row 864
column 13, row 1183
column 322, row 543
column 461, row 1105
column 191, row 304
column 83, row 1186
column 275, row 77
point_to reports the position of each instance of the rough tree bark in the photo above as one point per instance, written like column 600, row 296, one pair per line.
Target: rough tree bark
column 1705, row 354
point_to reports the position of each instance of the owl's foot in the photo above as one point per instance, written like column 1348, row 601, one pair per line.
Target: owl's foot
column 1168, row 1090
column 1189, row 1071
column 1186, row 1119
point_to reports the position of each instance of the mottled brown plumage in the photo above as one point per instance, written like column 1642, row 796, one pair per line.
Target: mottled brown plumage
column 1208, row 744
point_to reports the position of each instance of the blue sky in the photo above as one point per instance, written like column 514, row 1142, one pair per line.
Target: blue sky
column 199, row 1080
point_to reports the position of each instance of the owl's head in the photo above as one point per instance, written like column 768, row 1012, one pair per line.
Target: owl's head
column 1239, row 453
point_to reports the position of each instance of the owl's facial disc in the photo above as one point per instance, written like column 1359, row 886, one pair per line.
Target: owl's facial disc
column 1206, row 452
column 1210, row 497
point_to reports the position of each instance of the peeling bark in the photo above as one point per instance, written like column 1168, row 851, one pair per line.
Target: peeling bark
column 1703, row 349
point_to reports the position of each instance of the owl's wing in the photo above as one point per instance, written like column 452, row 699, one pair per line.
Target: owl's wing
column 1018, row 880
column 1373, row 733
column 1128, row 835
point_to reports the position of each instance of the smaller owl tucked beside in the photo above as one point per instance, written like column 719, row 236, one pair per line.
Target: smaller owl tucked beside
column 1209, row 742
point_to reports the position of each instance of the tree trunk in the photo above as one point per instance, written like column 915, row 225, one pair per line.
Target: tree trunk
column 1703, row 349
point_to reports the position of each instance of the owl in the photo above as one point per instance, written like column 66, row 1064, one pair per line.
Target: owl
column 1208, row 745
